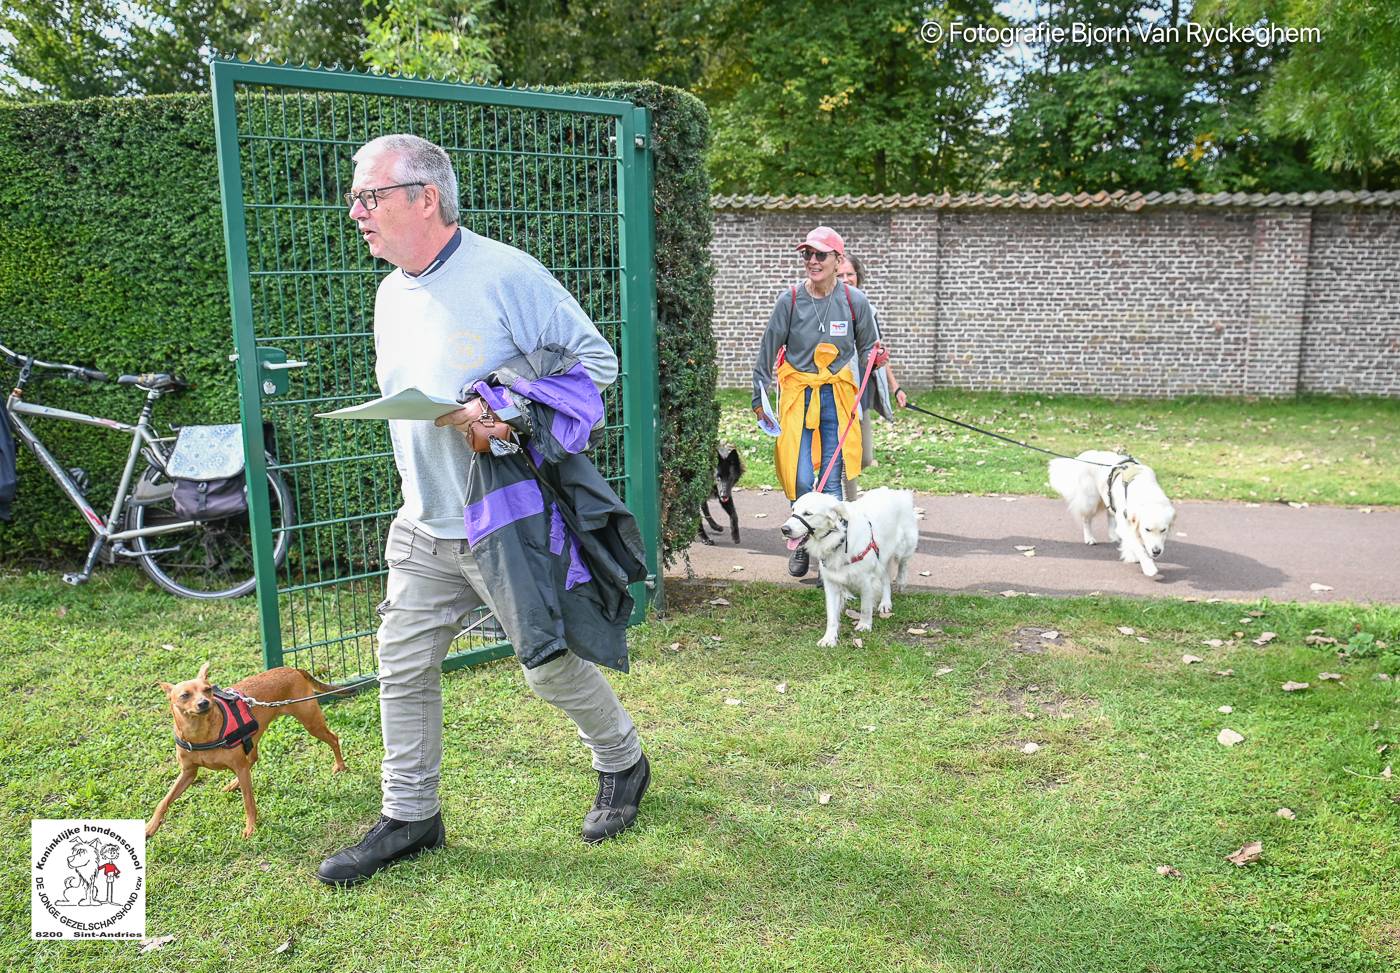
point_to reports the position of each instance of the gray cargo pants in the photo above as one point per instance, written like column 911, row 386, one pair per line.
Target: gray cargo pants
column 433, row 585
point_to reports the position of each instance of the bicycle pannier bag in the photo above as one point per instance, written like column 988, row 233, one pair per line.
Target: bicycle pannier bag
column 206, row 467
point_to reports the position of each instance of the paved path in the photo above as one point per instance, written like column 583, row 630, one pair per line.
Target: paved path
column 1217, row 550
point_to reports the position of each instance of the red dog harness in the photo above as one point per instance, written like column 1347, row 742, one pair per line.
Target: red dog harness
column 239, row 725
column 872, row 546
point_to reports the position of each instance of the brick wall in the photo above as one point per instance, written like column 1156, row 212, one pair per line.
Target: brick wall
column 1121, row 295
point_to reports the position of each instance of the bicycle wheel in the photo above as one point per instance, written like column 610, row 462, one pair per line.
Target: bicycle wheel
column 206, row 560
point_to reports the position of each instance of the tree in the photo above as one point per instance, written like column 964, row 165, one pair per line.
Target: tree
column 63, row 49
column 84, row 48
column 447, row 39
column 1340, row 93
column 807, row 97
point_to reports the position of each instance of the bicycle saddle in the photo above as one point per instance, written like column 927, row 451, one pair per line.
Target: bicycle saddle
column 159, row 381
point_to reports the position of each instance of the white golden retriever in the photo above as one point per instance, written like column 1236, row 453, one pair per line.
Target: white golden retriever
column 862, row 547
column 1139, row 513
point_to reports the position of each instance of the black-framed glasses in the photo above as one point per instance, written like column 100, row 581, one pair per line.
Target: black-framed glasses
column 369, row 198
column 817, row 255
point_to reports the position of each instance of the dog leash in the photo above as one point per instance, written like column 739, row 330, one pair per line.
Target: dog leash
column 1005, row 439
column 877, row 353
column 341, row 690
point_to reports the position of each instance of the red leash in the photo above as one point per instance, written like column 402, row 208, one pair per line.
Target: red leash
column 879, row 354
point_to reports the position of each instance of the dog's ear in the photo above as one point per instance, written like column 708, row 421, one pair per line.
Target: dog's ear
column 1132, row 519
column 203, row 675
column 841, row 510
column 166, row 688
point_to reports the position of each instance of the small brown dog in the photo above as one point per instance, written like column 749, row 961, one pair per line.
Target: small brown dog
column 223, row 732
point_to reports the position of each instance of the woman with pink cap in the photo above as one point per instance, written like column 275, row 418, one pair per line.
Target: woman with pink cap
column 821, row 333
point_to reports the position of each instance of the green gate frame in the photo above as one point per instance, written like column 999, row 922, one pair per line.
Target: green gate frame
column 264, row 370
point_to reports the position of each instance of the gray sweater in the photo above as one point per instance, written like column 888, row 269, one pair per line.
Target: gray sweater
column 487, row 303
column 803, row 324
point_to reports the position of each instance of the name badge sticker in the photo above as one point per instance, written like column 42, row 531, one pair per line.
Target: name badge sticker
column 839, row 328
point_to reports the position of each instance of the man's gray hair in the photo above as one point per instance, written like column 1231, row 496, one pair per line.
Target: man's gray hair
column 418, row 160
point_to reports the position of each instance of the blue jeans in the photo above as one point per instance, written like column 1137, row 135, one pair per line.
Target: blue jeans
column 830, row 427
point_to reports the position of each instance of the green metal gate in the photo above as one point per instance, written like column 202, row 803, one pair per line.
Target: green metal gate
column 568, row 179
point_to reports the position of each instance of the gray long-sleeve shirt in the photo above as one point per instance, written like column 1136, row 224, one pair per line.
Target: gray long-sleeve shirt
column 808, row 322
column 487, row 303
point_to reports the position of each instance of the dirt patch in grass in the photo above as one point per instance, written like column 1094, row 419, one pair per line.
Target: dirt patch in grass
column 1034, row 700
column 1031, row 640
column 683, row 595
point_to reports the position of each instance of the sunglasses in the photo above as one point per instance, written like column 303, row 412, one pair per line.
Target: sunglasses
column 817, row 255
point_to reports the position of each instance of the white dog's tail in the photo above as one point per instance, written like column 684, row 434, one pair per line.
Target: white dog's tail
column 1074, row 481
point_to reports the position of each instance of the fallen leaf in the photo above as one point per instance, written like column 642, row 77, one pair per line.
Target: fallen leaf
column 759, row 516
column 1213, row 643
column 1293, row 687
column 944, row 671
column 1030, row 748
column 1247, row 854
column 1265, row 638
column 1227, row 710
column 1166, row 871
column 737, row 567
column 917, row 631
column 1328, row 676
column 1320, row 587
column 1319, row 640
column 1296, row 505
column 1144, row 641
column 1286, row 813
column 1028, row 553
column 1228, row 737
column 1126, row 630
column 1025, row 547
column 858, row 643
column 285, row 947
column 1191, row 659
column 780, row 687
column 159, row 942
column 1224, row 672
column 1238, row 635
column 1383, row 676
column 1385, row 774
column 1255, row 614
column 1010, row 593
column 719, row 602
column 168, row 647
column 1050, row 636
column 716, row 638
column 61, row 610
column 731, row 701
column 674, row 647
column 823, row 798
column 925, row 574
column 870, row 728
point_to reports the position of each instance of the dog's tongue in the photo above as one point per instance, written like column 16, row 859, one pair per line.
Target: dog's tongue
column 794, row 543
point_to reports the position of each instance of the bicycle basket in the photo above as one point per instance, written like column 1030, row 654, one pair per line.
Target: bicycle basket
column 206, row 467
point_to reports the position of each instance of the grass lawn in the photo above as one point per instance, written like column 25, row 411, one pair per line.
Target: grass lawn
column 1313, row 450
column 942, row 846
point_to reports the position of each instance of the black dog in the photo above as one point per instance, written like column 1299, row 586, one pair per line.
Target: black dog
column 728, row 470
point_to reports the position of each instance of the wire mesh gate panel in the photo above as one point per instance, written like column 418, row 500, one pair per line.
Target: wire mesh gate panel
column 566, row 179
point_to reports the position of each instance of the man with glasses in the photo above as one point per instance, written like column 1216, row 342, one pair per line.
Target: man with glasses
column 457, row 306
column 825, row 334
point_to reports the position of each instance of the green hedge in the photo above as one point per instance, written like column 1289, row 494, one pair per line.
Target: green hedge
column 115, row 259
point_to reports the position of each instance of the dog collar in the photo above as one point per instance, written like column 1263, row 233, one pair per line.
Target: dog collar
column 237, row 713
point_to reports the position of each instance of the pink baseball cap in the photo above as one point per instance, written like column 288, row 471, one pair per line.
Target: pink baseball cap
column 825, row 240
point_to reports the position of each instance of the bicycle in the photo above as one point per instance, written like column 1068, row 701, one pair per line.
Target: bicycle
column 202, row 559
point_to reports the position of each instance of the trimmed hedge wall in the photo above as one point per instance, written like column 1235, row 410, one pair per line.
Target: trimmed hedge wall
column 114, row 258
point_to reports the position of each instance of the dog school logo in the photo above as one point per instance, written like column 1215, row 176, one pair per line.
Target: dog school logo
column 89, row 879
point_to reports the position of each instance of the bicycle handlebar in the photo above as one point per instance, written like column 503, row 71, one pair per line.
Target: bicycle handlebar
column 77, row 371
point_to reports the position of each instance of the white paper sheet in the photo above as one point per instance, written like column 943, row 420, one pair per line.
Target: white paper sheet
column 768, row 424
column 411, row 403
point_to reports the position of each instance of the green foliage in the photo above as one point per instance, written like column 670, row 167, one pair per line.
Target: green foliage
column 811, row 97
column 432, row 39
column 90, row 48
column 1341, row 94
column 116, row 261
column 1148, row 115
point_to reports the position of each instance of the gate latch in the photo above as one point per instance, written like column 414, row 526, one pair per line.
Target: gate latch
column 273, row 368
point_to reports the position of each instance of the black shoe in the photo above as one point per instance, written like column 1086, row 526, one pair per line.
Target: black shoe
column 615, row 807
column 388, row 841
column 798, row 562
